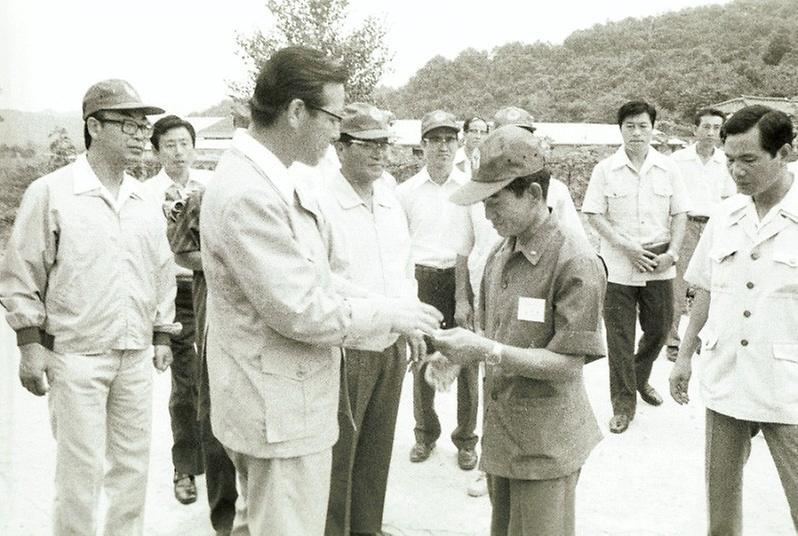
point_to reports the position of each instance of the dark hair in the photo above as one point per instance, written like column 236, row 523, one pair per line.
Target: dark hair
column 292, row 73
column 520, row 184
column 165, row 124
column 467, row 123
column 775, row 127
column 636, row 108
column 703, row 112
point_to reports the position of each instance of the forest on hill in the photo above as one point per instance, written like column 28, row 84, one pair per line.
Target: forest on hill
column 679, row 61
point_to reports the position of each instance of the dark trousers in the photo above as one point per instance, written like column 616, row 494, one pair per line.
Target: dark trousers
column 220, row 473
column 728, row 444
column 533, row 507
column 362, row 455
column 436, row 287
column 186, row 449
column 630, row 371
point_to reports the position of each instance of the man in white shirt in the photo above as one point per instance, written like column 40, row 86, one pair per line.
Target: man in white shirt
column 745, row 316
column 173, row 141
column 474, row 130
column 370, row 234
column 703, row 168
column 433, row 219
column 637, row 202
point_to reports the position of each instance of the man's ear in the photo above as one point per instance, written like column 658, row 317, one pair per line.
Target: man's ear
column 536, row 191
column 295, row 112
column 785, row 151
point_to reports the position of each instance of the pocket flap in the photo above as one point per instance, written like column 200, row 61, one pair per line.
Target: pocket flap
column 721, row 252
column 787, row 351
column 788, row 257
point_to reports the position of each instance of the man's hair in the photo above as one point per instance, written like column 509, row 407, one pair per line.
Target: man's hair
column 703, row 112
column 775, row 127
column 467, row 122
column 167, row 123
column 520, row 184
column 636, row 108
column 292, row 73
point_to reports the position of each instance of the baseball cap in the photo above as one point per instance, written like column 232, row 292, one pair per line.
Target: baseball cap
column 438, row 119
column 507, row 153
column 364, row 121
column 512, row 115
column 115, row 94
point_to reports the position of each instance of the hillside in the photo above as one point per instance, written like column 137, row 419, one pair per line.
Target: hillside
column 678, row 60
column 23, row 128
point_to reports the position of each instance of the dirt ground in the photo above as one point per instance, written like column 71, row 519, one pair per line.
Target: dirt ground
column 647, row 481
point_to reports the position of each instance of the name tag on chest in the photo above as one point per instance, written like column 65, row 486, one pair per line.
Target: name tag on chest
column 531, row 309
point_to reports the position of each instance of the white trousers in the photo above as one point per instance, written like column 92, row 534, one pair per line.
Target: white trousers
column 101, row 411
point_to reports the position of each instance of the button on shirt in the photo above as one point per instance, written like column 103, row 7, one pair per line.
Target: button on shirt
column 546, row 293
column 749, row 354
column 707, row 184
column 432, row 217
column 638, row 205
column 375, row 243
column 94, row 272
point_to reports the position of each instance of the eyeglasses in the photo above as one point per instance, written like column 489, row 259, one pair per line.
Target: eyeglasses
column 130, row 127
column 370, row 144
column 441, row 140
column 326, row 111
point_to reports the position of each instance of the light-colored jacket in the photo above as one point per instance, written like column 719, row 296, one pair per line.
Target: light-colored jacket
column 274, row 314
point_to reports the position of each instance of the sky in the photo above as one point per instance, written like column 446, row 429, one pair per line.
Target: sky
column 181, row 54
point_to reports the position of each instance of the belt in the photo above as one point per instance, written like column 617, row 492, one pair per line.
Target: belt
column 699, row 219
column 430, row 270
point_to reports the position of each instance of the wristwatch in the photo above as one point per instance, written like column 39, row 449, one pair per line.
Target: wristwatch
column 674, row 255
column 495, row 356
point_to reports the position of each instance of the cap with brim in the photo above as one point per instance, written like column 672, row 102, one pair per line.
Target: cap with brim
column 365, row 122
column 115, row 94
column 438, row 119
column 506, row 154
column 512, row 115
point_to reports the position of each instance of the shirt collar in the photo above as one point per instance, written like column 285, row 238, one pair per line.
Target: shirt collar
column 653, row 158
column 349, row 199
column 267, row 162
column 165, row 181
column 717, row 154
column 539, row 242
column 788, row 206
column 86, row 180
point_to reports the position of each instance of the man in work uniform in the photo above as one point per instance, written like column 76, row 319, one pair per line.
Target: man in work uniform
column 542, row 294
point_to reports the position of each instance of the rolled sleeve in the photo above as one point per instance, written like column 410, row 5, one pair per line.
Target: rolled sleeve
column 577, row 307
column 595, row 200
column 30, row 254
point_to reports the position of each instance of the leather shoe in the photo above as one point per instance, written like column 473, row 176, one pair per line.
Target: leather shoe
column 478, row 487
column 185, row 488
column 467, row 458
column 672, row 352
column 650, row 395
column 619, row 423
column 420, row 452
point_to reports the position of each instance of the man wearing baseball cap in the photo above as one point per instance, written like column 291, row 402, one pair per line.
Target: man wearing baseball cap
column 370, row 234
column 433, row 220
column 540, row 316
column 89, row 286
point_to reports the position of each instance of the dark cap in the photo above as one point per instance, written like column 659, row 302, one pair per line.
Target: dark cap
column 506, row 154
column 115, row 95
column 512, row 115
column 364, row 121
column 438, row 119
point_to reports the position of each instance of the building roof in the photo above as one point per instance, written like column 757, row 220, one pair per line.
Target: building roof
column 788, row 106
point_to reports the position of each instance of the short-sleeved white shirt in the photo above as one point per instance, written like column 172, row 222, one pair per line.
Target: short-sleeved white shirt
column 749, row 350
column 638, row 205
column 707, row 183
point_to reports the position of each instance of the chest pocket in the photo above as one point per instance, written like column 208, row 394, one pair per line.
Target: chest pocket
column 723, row 258
column 619, row 195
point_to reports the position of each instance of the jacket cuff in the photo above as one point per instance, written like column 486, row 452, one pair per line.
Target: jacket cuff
column 161, row 338
column 31, row 335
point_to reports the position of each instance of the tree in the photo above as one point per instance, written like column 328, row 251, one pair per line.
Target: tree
column 62, row 150
column 319, row 24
